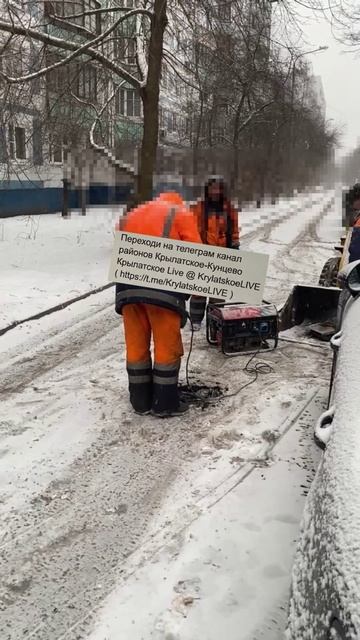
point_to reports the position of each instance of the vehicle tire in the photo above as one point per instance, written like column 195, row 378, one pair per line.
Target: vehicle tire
column 330, row 270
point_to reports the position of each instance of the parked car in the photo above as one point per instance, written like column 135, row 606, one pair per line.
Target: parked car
column 325, row 591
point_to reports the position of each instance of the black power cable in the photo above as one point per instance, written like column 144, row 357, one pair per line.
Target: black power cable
column 260, row 368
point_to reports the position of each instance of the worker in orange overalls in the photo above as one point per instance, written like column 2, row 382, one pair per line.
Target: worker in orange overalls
column 218, row 225
column 158, row 314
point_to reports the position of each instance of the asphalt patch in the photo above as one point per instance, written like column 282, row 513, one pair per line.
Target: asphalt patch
column 201, row 395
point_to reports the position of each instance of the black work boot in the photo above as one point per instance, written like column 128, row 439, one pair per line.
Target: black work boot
column 166, row 401
column 140, row 387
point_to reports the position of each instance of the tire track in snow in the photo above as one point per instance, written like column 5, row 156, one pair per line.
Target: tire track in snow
column 64, row 553
column 81, row 534
column 28, row 368
column 293, row 209
column 24, row 370
column 287, row 260
column 263, row 227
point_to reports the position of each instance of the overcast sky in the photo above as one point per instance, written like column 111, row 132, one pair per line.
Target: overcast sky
column 340, row 73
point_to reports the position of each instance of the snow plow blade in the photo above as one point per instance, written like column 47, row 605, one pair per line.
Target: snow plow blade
column 310, row 305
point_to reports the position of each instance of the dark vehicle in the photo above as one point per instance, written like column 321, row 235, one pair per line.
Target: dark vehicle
column 325, row 593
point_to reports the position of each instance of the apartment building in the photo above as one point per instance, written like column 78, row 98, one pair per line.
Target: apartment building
column 45, row 123
column 44, row 133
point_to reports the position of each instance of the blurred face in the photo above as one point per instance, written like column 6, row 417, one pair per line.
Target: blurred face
column 214, row 191
column 356, row 205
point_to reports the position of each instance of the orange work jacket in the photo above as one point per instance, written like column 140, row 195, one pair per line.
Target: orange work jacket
column 221, row 230
column 166, row 217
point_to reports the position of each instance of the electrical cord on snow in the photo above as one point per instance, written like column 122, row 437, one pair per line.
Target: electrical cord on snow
column 260, row 368
column 190, row 351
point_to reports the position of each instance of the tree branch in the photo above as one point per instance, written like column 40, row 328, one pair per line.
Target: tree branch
column 65, row 22
column 128, row 12
column 171, row 64
column 86, row 49
column 141, row 57
column 253, row 114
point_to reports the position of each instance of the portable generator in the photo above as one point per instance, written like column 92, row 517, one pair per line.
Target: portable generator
column 238, row 328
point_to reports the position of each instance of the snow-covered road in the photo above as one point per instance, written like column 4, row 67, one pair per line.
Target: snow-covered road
column 97, row 502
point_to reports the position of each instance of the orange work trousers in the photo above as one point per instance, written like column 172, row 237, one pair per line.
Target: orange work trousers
column 141, row 321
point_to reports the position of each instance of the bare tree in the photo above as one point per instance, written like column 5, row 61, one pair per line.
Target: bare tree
column 93, row 48
column 238, row 105
column 241, row 110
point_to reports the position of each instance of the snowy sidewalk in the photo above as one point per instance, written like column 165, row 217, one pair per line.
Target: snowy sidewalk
column 47, row 259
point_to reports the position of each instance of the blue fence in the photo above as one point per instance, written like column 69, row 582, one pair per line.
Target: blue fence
column 38, row 200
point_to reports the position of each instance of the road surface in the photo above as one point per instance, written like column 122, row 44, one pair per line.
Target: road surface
column 93, row 498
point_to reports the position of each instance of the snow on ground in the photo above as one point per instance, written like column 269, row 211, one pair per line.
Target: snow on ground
column 330, row 228
column 39, row 420
column 47, row 259
column 223, row 569
column 90, row 492
column 72, row 515
column 297, row 254
column 253, row 218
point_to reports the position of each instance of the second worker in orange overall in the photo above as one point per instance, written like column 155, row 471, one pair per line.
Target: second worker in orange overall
column 218, row 225
column 151, row 313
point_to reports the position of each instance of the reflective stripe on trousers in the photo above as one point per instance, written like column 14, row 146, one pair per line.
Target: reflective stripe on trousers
column 139, row 372
column 166, row 374
column 197, row 308
column 140, row 385
column 165, row 387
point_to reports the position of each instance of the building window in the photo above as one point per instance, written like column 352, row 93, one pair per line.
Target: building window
column 169, row 120
column 17, row 143
column 57, row 79
column 57, row 150
column 87, row 82
column 128, row 103
column 64, row 9
column 125, row 49
column 224, row 10
column 81, row 79
column 11, row 62
column 254, row 21
column 165, row 77
column 92, row 23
